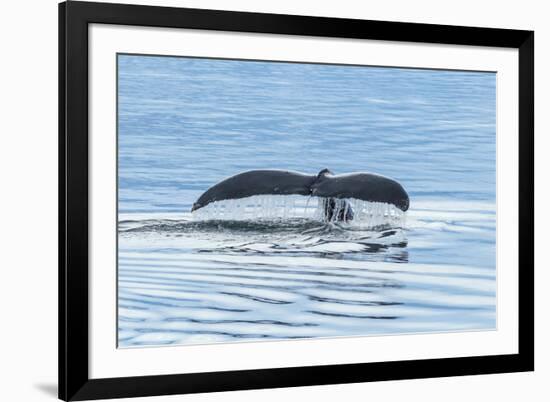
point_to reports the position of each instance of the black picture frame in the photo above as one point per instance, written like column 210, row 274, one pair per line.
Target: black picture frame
column 74, row 381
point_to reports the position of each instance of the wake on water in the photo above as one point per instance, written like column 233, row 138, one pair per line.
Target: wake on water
column 186, row 279
column 282, row 225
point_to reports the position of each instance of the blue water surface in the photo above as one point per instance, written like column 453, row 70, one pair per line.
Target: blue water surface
column 186, row 123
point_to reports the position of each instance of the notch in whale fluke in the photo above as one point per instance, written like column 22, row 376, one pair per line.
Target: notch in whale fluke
column 361, row 186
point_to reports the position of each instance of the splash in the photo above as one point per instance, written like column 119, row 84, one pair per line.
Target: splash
column 283, row 207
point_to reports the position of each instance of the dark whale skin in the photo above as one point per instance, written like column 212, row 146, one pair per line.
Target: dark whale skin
column 362, row 186
column 257, row 182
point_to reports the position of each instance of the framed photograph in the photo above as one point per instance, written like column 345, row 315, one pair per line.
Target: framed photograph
column 257, row 200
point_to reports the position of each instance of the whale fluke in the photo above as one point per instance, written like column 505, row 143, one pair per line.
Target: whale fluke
column 257, row 182
column 361, row 186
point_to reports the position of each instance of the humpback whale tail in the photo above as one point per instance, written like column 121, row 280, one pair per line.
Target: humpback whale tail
column 334, row 190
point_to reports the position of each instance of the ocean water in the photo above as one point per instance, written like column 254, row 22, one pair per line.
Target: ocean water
column 279, row 272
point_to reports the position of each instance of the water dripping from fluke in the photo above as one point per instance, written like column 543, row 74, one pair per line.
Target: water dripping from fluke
column 272, row 208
